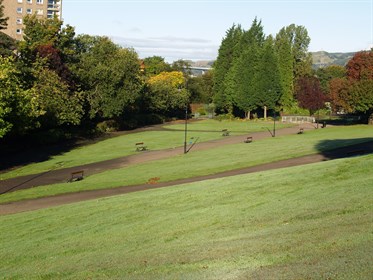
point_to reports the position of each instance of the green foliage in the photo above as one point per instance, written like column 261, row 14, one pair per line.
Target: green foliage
column 16, row 108
column 326, row 74
column 268, row 76
column 155, row 65
column 222, row 66
column 294, row 61
column 241, row 82
column 285, row 68
column 109, row 76
column 55, row 103
column 7, row 44
column 3, row 20
column 201, row 88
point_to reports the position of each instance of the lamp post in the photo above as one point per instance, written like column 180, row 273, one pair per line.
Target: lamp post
column 185, row 130
column 274, row 123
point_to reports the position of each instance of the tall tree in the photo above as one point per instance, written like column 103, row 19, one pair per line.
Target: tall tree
column 242, row 78
column 268, row 77
column 286, row 71
column 294, row 60
column 3, row 20
column 223, row 64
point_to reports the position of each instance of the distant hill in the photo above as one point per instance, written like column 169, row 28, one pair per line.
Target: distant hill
column 320, row 59
column 323, row 59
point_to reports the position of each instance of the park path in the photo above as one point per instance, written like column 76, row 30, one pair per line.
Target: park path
column 63, row 174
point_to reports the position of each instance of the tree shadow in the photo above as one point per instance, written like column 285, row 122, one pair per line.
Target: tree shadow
column 21, row 152
column 343, row 148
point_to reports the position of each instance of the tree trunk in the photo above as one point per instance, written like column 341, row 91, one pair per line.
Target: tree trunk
column 370, row 120
column 265, row 112
column 248, row 115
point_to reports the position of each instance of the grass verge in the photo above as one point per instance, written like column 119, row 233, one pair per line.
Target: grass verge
column 307, row 222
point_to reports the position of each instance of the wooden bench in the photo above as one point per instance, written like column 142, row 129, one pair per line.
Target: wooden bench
column 140, row 146
column 77, row 176
column 248, row 139
column 225, row 132
column 301, row 130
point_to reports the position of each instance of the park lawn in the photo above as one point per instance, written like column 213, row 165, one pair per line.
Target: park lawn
column 198, row 163
column 124, row 145
column 306, row 222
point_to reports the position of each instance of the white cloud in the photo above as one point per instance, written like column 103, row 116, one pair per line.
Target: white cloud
column 171, row 48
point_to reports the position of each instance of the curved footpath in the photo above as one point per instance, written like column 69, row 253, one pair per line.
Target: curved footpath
column 62, row 175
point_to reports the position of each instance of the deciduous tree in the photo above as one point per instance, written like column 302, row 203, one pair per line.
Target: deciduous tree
column 309, row 94
column 167, row 92
column 109, row 76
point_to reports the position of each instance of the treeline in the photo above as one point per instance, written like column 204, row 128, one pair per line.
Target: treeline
column 254, row 72
column 57, row 83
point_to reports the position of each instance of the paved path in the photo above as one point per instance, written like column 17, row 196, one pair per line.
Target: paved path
column 58, row 175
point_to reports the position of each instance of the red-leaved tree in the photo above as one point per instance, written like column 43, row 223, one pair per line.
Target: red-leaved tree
column 360, row 67
column 309, row 94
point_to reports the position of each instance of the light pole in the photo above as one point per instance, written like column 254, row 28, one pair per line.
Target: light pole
column 186, row 128
column 274, row 123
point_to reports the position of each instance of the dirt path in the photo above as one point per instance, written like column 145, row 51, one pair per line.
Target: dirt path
column 63, row 174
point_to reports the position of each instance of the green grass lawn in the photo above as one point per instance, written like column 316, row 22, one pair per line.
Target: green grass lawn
column 125, row 145
column 307, row 222
column 210, row 161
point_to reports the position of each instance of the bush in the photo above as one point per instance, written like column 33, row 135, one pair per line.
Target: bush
column 107, row 126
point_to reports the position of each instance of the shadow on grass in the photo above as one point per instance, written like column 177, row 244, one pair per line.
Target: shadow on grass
column 342, row 148
column 14, row 154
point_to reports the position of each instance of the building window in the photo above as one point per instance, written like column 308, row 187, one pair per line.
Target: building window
column 29, row 1
column 19, row 1
column 39, row 12
column 39, row 1
column 19, row 21
column 19, row 10
column 29, row 11
column 19, row 31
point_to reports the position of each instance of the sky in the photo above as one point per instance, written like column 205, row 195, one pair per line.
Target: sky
column 193, row 30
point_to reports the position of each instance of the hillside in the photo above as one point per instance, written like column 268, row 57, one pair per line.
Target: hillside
column 320, row 59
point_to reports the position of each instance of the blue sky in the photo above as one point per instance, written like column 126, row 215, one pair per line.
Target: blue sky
column 182, row 29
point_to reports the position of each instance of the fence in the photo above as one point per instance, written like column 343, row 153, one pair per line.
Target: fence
column 298, row 119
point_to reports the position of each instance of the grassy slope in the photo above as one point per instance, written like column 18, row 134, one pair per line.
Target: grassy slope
column 307, row 222
column 125, row 145
column 208, row 162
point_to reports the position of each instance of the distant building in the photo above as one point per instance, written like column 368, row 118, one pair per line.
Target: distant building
column 16, row 10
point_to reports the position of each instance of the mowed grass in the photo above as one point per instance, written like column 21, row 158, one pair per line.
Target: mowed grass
column 198, row 163
column 124, row 145
column 307, row 222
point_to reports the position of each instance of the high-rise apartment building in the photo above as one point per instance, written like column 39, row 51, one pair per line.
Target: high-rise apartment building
column 16, row 10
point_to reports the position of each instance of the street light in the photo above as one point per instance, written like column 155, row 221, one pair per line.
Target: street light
column 274, row 123
column 186, row 128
